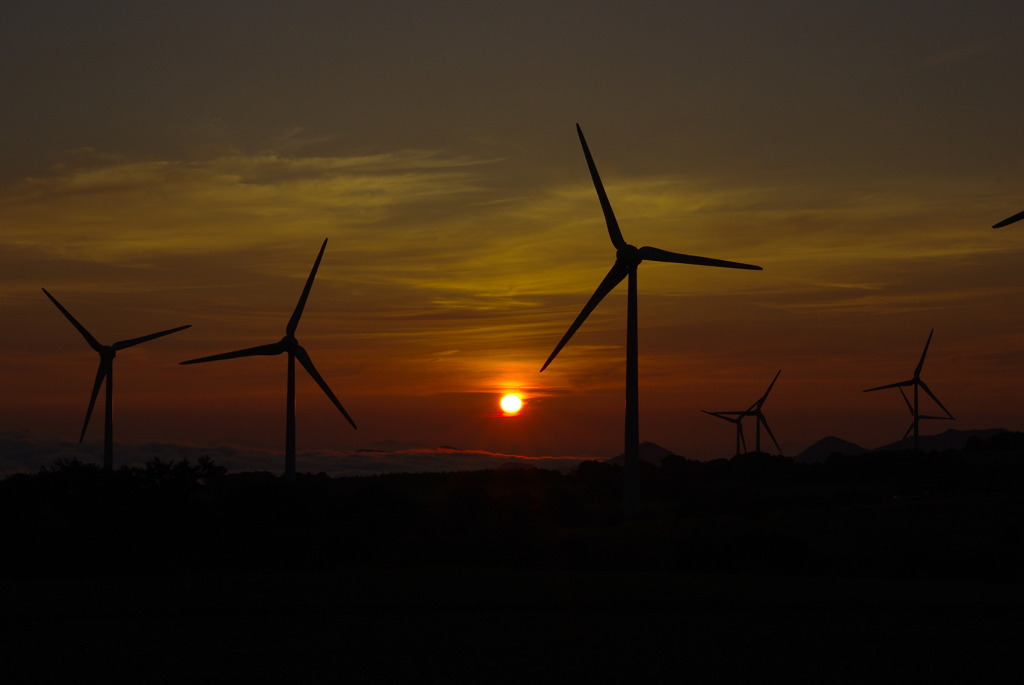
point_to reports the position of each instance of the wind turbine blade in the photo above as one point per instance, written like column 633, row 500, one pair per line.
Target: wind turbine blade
column 764, row 422
column 609, row 217
column 909, row 430
column 93, row 342
column 136, row 341
column 906, row 401
column 920, row 364
column 307, row 364
column 273, row 348
column 924, row 386
column 293, row 322
column 101, row 375
column 614, row 277
column 655, row 254
column 765, row 395
column 892, row 385
column 1012, row 219
column 721, row 415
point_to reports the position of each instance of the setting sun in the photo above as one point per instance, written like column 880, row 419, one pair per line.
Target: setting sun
column 511, row 404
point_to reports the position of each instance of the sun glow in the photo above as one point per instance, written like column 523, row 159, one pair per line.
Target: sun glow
column 511, row 404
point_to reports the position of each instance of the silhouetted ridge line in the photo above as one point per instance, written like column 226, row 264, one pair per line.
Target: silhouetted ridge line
column 826, row 447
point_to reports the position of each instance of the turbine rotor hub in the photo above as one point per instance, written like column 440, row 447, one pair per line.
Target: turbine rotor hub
column 628, row 255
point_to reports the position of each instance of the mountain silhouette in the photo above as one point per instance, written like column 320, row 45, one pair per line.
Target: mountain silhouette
column 650, row 452
column 951, row 439
column 826, row 447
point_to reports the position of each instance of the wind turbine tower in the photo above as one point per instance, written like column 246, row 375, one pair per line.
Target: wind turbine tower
column 627, row 259
column 290, row 346
column 105, row 375
column 917, row 384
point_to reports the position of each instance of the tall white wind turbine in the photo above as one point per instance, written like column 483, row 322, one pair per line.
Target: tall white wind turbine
column 105, row 375
column 627, row 259
column 289, row 345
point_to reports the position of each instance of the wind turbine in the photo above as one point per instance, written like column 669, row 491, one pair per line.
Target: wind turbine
column 105, row 374
column 1010, row 220
column 755, row 411
column 627, row 259
column 289, row 345
column 916, row 383
column 741, row 443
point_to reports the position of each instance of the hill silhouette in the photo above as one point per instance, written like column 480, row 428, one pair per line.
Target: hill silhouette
column 951, row 439
column 886, row 513
column 650, row 452
column 184, row 567
column 826, row 447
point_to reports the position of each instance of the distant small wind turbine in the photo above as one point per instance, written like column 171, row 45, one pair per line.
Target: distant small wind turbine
column 1010, row 220
column 105, row 374
column 755, row 411
column 290, row 345
column 916, row 383
column 627, row 259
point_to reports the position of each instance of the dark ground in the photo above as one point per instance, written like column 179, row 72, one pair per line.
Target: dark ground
column 510, row 626
column 881, row 569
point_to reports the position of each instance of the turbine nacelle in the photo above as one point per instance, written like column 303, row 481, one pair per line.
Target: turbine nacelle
column 628, row 256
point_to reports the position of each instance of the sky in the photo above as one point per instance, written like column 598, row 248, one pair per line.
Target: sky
column 165, row 164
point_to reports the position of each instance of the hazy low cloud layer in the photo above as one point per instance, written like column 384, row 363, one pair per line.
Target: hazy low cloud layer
column 21, row 452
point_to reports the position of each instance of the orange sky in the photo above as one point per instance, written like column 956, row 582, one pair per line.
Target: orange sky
column 164, row 165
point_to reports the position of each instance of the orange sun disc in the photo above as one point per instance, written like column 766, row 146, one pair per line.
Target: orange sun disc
column 511, row 404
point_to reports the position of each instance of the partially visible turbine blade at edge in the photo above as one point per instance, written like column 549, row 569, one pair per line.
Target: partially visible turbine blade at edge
column 271, row 349
column 1010, row 220
column 612, row 279
column 655, row 254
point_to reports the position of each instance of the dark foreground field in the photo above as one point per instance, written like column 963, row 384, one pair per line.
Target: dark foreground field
column 884, row 568
column 492, row 625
